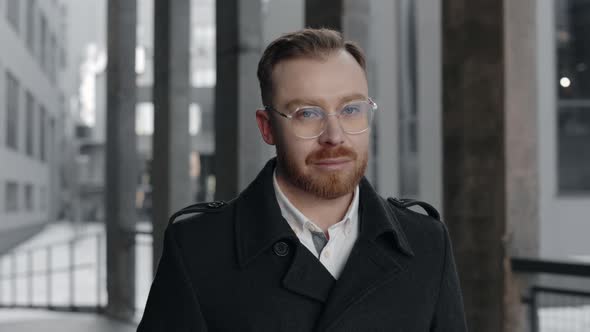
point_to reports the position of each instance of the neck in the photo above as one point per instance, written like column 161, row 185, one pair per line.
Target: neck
column 322, row 211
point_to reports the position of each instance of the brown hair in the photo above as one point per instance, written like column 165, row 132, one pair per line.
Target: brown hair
column 303, row 43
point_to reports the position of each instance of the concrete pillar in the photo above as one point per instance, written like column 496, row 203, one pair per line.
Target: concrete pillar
column 324, row 14
column 489, row 146
column 406, row 106
column 282, row 16
column 240, row 153
column 171, row 96
column 428, row 100
column 383, row 83
column 121, row 158
column 522, row 236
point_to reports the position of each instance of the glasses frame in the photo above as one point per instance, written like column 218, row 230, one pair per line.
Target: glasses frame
column 374, row 107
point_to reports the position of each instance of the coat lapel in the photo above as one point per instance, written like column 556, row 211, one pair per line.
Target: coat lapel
column 259, row 224
column 369, row 265
column 307, row 276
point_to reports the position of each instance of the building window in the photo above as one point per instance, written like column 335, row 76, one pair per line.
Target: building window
column 573, row 91
column 52, row 58
column 43, row 42
column 31, row 25
column 43, row 199
column 144, row 119
column 11, row 203
column 13, row 13
column 42, row 123
column 63, row 58
column 51, row 138
column 30, row 123
column 29, row 197
column 194, row 119
column 12, row 88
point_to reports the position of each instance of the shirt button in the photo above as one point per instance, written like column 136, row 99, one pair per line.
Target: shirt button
column 326, row 253
column 281, row 248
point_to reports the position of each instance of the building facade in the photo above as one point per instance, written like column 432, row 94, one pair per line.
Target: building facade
column 33, row 117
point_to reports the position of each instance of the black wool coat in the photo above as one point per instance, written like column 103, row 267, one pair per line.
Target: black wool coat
column 240, row 267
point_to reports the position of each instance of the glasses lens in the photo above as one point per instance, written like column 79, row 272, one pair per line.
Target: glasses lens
column 356, row 117
column 308, row 121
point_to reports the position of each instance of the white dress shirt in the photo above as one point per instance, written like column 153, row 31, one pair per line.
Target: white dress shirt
column 342, row 235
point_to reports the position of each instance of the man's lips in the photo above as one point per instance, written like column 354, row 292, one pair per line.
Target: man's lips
column 334, row 161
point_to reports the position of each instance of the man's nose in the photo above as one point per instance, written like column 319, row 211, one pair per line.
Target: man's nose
column 333, row 134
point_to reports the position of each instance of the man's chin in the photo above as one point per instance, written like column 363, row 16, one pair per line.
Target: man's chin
column 331, row 186
column 324, row 181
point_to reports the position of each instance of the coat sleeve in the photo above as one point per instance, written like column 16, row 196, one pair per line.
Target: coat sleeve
column 172, row 304
column 449, row 314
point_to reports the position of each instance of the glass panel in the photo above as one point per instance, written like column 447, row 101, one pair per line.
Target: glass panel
column 573, row 87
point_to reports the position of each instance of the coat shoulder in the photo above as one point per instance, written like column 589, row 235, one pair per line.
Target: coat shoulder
column 202, row 227
column 193, row 211
column 410, row 218
column 205, row 221
column 424, row 231
column 406, row 203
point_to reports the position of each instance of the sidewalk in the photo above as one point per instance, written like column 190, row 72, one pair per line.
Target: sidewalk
column 19, row 320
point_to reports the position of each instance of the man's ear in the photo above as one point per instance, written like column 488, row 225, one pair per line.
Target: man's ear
column 263, row 120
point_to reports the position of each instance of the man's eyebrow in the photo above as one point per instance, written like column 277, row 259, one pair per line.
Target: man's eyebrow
column 292, row 104
column 355, row 96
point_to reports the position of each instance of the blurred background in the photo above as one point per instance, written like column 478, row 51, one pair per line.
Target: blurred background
column 114, row 114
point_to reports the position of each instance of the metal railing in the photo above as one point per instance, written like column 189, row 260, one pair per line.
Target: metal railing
column 60, row 276
column 13, row 277
column 556, row 308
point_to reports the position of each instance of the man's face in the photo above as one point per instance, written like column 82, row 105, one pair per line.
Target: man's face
column 332, row 164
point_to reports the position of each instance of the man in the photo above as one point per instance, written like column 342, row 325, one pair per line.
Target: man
column 309, row 245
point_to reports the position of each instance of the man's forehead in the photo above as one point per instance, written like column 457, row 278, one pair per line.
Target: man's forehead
column 334, row 79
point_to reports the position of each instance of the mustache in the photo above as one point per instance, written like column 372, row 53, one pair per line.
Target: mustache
column 337, row 152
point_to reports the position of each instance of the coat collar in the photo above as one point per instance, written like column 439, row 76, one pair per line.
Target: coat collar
column 259, row 222
column 377, row 218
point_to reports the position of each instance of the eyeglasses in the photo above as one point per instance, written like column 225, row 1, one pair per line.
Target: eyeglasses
column 311, row 121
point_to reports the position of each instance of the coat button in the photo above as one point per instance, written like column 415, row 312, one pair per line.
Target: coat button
column 281, row 248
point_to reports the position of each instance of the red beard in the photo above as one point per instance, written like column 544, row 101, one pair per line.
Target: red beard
column 328, row 185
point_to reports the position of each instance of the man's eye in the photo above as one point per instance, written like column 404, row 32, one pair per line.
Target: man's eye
column 351, row 110
column 308, row 114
